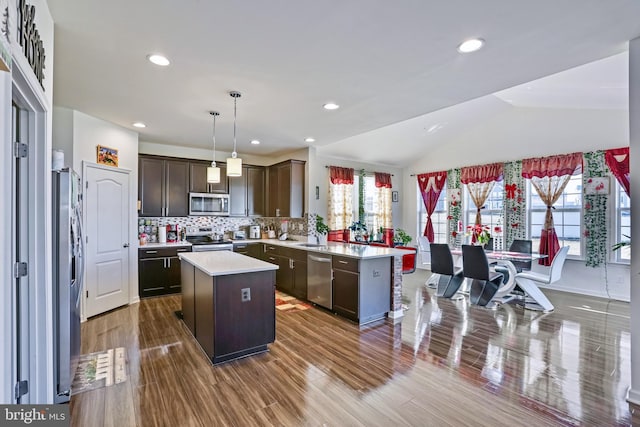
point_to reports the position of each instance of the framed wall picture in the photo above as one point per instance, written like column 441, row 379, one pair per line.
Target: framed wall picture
column 107, row 156
column 394, row 196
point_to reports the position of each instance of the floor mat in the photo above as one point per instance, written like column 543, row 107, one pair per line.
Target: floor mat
column 286, row 302
column 101, row 369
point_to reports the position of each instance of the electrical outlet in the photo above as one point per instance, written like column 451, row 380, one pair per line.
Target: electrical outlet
column 245, row 294
column 376, row 273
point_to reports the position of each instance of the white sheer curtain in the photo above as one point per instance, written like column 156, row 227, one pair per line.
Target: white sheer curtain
column 340, row 212
column 340, row 209
column 382, row 208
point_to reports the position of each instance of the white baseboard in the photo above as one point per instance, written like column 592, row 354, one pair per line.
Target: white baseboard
column 397, row 314
column 633, row 396
column 134, row 300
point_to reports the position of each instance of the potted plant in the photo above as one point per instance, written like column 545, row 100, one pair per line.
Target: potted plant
column 321, row 229
column 400, row 237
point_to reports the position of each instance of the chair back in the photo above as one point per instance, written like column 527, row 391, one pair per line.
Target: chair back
column 408, row 260
column 523, row 246
column 489, row 245
column 474, row 262
column 555, row 272
column 441, row 259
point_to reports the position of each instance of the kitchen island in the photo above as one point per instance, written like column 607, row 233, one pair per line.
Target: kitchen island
column 228, row 303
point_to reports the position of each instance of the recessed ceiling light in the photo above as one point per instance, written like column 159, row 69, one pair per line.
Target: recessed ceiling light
column 139, row 125
column 255, row 142
column 331, row 106
column 158, row 60
column 309, row 139
column 470, row 45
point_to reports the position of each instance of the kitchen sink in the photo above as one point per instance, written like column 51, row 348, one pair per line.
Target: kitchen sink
column 312, row 245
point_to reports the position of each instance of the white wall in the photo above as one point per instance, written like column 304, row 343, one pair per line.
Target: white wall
column 79, row 135
column 519, row 133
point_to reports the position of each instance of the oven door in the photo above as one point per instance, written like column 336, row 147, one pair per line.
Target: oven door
column 208, row 204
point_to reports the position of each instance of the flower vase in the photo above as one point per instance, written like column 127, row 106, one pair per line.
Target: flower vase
column 322, row 239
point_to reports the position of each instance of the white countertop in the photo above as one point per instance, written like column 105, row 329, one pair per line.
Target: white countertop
column 336, row 248
column 164, row 245
column 222, row 263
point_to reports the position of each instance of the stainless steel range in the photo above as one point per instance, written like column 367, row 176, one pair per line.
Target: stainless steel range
column 204, row 239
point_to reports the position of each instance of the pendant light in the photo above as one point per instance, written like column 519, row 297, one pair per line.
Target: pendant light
column 213, row 171
column 234, row 163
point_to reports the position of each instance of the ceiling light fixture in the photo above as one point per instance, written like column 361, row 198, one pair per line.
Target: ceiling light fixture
column 139, row 125
column 331, row 106
column 309, row 139
column 234, row 163
column 213, row 171
column 255, row 142
column 470, row 45
column 158, row 60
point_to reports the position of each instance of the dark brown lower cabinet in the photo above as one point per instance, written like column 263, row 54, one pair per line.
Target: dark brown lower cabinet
column 159, row 271
column 362, row 288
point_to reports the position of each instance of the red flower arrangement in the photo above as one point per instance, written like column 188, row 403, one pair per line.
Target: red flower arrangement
column 479, row 233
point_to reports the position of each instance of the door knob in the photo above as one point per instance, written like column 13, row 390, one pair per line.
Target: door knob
column 126, row 245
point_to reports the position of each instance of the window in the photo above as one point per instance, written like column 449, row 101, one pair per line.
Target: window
column 492, row 212
column 623, row 223
column 371, row 202
column 567, row 216
column 438, row 218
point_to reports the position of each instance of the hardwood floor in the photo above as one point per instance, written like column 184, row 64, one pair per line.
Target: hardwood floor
column 446, row 364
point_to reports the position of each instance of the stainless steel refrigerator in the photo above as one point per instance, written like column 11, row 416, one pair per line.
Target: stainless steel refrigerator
column 68, row 272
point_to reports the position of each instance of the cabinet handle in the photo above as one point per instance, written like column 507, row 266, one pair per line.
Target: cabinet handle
column 181, row 250
column 271, row 258
column 150, row 252
column 168, row 262
column 343, row 262
column 292, row 264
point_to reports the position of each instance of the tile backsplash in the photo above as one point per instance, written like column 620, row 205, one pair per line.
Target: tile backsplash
column 300, row 227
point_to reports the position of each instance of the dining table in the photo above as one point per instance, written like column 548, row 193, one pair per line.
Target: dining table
column 505, row 260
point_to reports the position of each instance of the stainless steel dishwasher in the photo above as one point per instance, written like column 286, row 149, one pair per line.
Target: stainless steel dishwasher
column 319, row 280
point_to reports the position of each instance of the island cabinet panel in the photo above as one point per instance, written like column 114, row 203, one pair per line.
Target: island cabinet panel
column 188, row 297
column 234, row 314
column 361, row 288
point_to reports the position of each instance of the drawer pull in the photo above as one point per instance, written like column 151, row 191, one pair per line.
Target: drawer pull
column 343, row 262
column 150, row 252
column 181, row 250
column 272, row 259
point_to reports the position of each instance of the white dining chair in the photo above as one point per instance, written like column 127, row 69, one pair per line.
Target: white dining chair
column 527, row 281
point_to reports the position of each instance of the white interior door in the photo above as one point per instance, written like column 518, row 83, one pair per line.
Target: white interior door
column 106, row 196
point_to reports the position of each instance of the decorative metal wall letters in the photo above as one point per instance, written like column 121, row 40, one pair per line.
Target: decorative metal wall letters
column 29, row 38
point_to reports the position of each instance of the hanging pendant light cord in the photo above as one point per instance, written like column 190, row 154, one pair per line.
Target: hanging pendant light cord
column 235, row 103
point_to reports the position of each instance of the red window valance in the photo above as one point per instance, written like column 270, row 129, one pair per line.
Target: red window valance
column 618, row 161
column 340, row 175
column 383, row 180
column 561, row 165
column 484, row 173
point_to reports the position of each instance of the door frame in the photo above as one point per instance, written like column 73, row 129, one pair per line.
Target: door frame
column 19, row 87
column 133, row 244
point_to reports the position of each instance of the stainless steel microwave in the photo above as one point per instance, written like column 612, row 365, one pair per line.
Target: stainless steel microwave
column 208, row 204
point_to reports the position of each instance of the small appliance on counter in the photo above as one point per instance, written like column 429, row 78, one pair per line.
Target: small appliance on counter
column 254, row 232
column 172, row 233
column 239, row 235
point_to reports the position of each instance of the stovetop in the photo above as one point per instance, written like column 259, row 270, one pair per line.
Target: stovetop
column 206, row 240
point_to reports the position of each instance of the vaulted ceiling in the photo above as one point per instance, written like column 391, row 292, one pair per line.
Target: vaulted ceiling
column 385, row 63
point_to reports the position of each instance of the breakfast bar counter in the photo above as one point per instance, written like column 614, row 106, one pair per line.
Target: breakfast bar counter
column 228, row 303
